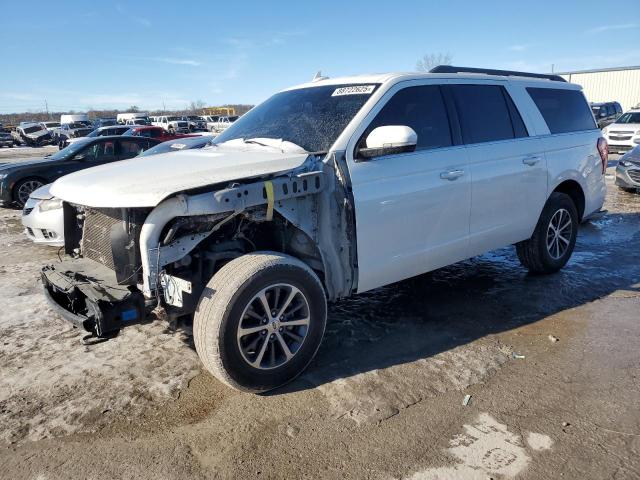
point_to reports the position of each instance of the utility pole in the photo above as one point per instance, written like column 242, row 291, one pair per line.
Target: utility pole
column 164, row 108
column 552, row 67
column 46, row 107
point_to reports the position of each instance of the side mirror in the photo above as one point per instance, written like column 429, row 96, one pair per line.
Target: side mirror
column 80, row 156
column 388, row 140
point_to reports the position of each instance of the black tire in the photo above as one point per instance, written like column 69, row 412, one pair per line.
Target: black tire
column 535, row 253
column 25, row 186
column 224, row 307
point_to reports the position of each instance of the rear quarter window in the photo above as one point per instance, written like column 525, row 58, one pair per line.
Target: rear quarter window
column 563, row 110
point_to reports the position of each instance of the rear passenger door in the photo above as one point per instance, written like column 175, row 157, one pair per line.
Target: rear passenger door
column 508, row 168
column 412, row 208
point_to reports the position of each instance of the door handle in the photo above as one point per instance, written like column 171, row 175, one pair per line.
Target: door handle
column 531, row 161
column 451, row 174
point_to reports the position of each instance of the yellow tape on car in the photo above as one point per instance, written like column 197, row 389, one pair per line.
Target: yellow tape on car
column 268, row 187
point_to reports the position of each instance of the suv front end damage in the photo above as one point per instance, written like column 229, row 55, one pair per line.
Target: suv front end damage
column 124, row 262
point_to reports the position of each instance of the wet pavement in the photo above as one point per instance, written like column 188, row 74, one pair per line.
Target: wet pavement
column 551, row 364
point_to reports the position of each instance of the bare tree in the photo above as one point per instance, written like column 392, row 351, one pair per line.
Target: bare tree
column 197, row 106
column 134, row 109
column 430, row 60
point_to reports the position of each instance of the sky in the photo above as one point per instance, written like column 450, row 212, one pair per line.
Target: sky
column 77, row 55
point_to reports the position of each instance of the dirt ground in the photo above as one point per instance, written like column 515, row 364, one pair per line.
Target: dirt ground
column 552, row 366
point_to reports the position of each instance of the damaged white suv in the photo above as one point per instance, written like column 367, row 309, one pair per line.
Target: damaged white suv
column 325, row 190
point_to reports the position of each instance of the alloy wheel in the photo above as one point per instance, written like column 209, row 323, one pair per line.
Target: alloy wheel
column 273, row 326
column 559, row 234
column 26, row 189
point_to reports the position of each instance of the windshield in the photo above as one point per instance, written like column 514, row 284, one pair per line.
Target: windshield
column 310, row 117
column 33, row 129
column 173, row 119
column 52, row 124
column 629, row 117
column 176, row 145
column 77, row 125
column 70, row 151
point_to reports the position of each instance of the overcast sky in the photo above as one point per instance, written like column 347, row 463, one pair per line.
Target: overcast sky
column 79, row 54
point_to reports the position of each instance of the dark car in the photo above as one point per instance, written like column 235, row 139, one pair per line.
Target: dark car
column 99, row 132
column 186, row 143
column 6, row 139
column 18, row 180
column 606, row 112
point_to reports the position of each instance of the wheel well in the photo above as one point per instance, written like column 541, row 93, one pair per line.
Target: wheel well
column 574, row 190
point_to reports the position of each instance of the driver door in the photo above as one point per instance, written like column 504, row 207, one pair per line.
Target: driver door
column 412, row 209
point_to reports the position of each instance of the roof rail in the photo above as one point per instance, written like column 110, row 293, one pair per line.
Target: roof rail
column 487, row 71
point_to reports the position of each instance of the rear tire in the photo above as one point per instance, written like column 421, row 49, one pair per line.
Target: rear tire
column 553, row 240
column 247, row 346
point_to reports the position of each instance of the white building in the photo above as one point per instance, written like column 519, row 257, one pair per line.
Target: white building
column 620, row 84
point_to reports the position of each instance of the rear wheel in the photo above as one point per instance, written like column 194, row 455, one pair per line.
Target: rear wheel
column 260, row 321
column 23, row 189
column 553, row 240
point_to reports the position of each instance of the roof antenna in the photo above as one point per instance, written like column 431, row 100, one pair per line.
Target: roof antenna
column 318, row 77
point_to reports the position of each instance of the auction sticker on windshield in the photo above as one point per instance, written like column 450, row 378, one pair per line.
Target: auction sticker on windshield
column 353, row 90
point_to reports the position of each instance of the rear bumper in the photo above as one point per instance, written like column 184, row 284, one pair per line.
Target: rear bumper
column 87, row 294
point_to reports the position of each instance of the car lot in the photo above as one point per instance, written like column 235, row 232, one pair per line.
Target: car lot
column 383, row 399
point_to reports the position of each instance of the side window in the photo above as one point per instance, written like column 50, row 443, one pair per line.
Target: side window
column 129, row 148
column 484, row 113
column 421, row 108
column 100, row 151
column 563, row 110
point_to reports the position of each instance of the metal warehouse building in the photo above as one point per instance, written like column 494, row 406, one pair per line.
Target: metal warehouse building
column 620, row 84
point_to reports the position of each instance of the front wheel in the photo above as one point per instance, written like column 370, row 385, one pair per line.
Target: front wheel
column 553, row 240
column 23, row 189
column 260, row 321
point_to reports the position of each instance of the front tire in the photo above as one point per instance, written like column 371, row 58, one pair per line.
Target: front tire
column 553, row 240
column 23, row 189
column 260, row 321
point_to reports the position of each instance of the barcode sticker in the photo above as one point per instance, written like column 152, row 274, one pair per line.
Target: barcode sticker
column 353, row 90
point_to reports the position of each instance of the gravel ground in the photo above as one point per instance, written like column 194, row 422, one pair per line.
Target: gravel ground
column 551, row 366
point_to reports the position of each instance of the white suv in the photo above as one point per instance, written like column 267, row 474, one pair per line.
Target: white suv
column 326, row 190
column 624, row 134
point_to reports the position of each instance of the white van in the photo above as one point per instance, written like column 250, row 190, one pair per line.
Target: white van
column 72, row 118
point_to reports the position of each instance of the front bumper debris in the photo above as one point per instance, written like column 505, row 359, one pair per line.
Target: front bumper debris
column 87, row 294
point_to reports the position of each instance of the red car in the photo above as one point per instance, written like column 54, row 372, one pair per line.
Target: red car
column 150, row 131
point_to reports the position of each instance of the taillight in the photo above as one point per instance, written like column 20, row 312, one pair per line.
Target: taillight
column 603, row 150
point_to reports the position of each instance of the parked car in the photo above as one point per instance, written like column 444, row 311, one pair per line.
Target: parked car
column 104, row 122
column 137, row 121
column 6, row 139
column 67, row 131
column 51, row 126
column 33, row 134
column 150, row 131
column 99, row 132
column 606, row 112
column 628, row 170
column 172, row 124
column 196, row 124
column 18, row 180
column 122, row 118
column 42, row 218
column 409, row 173
column 624, row 134
column 223, row 123
column 211, row 122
